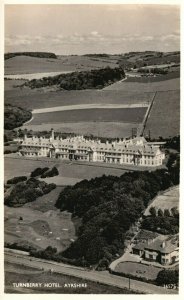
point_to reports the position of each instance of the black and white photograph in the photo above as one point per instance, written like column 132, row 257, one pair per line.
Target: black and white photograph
column 91, row 148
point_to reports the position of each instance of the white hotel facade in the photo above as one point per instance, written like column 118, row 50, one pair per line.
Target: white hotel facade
column 134, row 151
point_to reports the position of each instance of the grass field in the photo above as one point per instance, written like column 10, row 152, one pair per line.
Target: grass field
column 166, row 200
column 164, row 118
column 34, row 99
column 145, row 85
column 25, row 64
column 26, row 274
column 11, row 84
column 110, row 129
column 42, row 224
column 138, row 270
column 16, row 167
column 32, row 76
column 130, row 115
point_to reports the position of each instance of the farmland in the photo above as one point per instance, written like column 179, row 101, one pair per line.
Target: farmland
column 101, row 129
column 165, row 115
column 26, row 64
column 145, row 85
column 166, row 200
column 130, row 115
column 34, row 99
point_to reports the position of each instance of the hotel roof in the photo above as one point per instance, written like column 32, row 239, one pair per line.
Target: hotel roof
column 136, row 146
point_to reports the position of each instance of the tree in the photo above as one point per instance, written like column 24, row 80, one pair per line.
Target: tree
column 166, row 213
column 152, row 211
column 174, row 212
column 168, row 277
column 160, row 212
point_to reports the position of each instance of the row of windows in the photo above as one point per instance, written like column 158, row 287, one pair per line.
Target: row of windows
column 113, row 160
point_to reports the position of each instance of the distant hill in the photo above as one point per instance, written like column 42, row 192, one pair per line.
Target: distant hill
column 33, row 54
column 146, row 58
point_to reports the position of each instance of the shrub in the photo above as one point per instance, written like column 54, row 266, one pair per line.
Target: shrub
column 28, row 191
column 39, row 171
column 15, row 180
column 50, row 173
column 168, row 277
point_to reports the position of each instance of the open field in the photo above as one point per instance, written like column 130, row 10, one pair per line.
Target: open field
column 32, row 76
column 27, row 274
column 34, row 99
column 46, row 202
column 11, row 84
column 165, row 200
column 26, row 64
column 110, row 129
column 16, row 167
column 164, row 118
column 145, row 85
column 42, row 224
column 138, row 270
column 130, row 115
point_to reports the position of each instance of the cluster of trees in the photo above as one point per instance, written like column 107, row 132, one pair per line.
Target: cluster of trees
column 173, row 165
column 162, row 224
column 15, row 180
column 162, row 221
column 50, row 173
column 33, row 54
column 168, row 277
column 45, row 172
column 39, row 171
column 50, row 253
column 27, row 191
column 20, row 246
column 15, row 116
column 108, row 206
column 166, row 212
column 173, row 143
column 80, row 80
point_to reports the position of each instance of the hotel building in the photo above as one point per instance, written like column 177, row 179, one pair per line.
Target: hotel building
column 136, row 151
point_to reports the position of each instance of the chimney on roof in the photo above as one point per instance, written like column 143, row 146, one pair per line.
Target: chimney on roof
column 52, row 134
column 25, row 136
column 163, row 244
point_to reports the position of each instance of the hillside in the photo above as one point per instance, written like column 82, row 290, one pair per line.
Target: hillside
column 141, row 59
column 30, row 65
column 32, row 54
column 22, row 64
